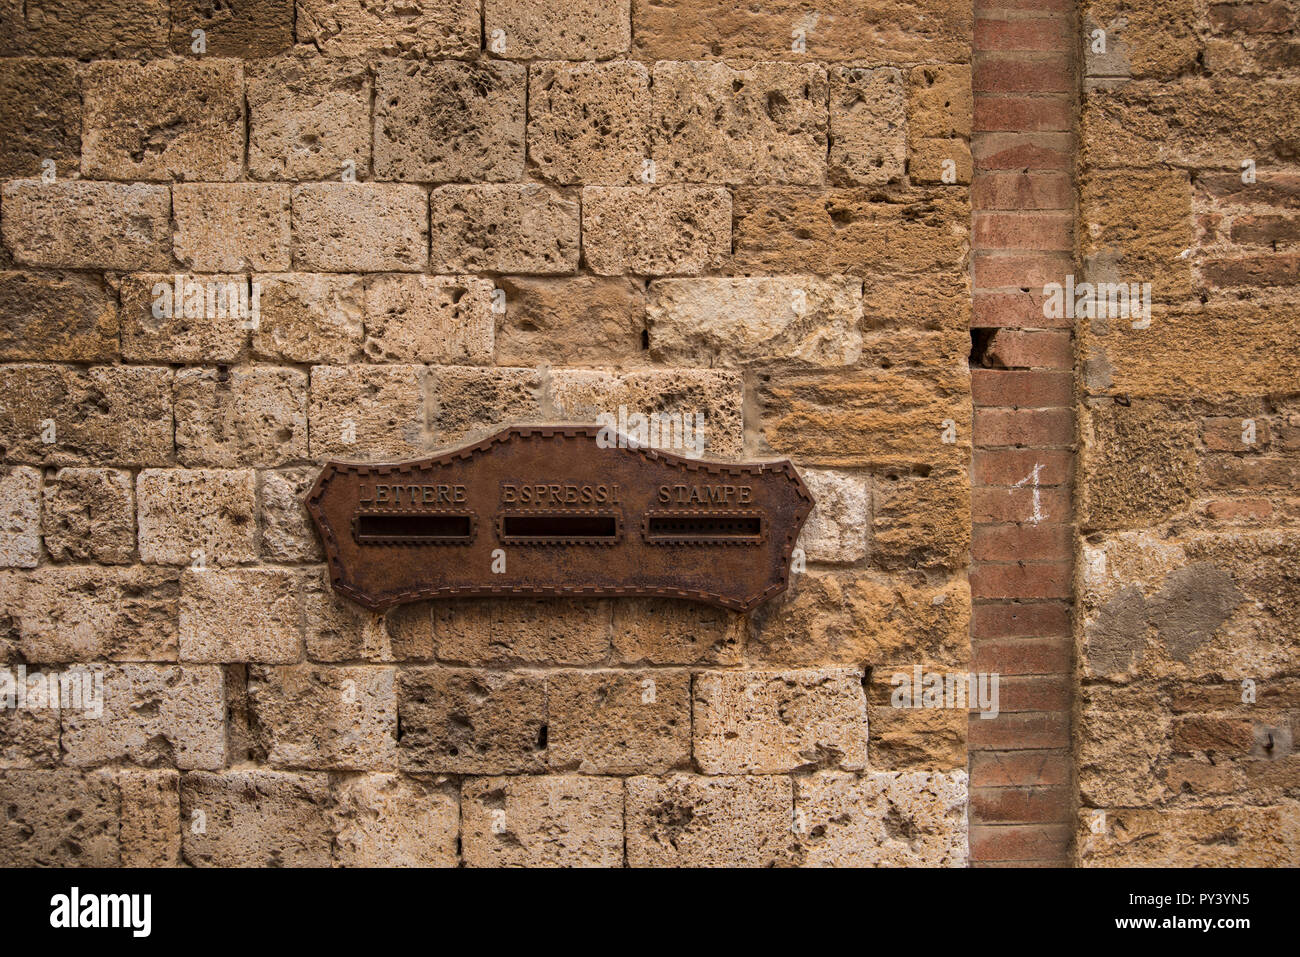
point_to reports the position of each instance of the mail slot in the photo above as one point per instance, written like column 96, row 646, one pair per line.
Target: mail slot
column 413, row 528
column 558, row 510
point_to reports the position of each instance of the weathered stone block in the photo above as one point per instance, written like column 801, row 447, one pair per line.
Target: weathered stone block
column 836, row 531
column 97, row 614
column 471, row 722
column 390, row 28
column 876, row 418
column 865, row 32
column 304, row 716
column 204, row 323
column 715, row 398
column 619, row 722
column 911, row 819
column 59, row 818
column 87, row 30
column 254, row 29
column 357, row 412
column 527, row 631
column 852, row 617
column 257, row 818
column 369, row 227
column 251, row 415
column 764, row 123
column 524, row 228
column 730, row 322
column 1135, row 227
column 660, row 631
column 466, row 403
column 213, row 511
column 684, row 820
column 429, row 319
column 163, row 120
column 29, row 737
column 581, row 30
column 850, row 231
column 20, row 518
column 390, row 820
column 152, row 715
column 449, row 122
column 549, row 821
column 55, row 317
column 922, row 521
column 240, row 615
column 87, row 225
column 105, row 415
column 308, row 118
column 150, row 829
column 583, row 320
column 286, row 530
column 776, row 721
column 589, row 122
column 40, row 112
column 225, row 227
column 672, row 230
column 1164, row 837
column 88, row 515
column 868, row 138
column 309, row 317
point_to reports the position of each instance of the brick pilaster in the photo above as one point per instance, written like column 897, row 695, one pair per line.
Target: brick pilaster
column 1021, row 773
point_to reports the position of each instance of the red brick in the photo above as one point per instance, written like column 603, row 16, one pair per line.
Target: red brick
column 1017, row 656
column 1031, row 114
column 1022, row 73
column 1022, row 191
column 1015, row 543
column 1020, row 731
column 999, row 270
column 994, row 769
column 1030, row 35
column 1266, row 230
column 1045, row 580
column 1024, row 427
column 1251, row 17
column 1254, row 271
column 1223, row 433
column 1029, row 349
column 1023, row 151
column 1009, row 466
column 995, row 505
column 1021, row 805
column 1029, row 230
column 1025, row 390
column 1020, row 842
column 1271, row 189
column 1022, row 308
column 1014, row 620
column 1207, row 733
column 1018, row 693
column 1235, row 510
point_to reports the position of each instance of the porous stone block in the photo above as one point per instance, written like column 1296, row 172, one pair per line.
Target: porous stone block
column 413, row 318
column 589, row 122
column 251, row 415
column 212, row 511
column 88, row 515
column 240, row 615
column 686, row 820
column 517, row 228
column 554, row 820
column 449, row 122
column 163, row 120
column 256, row 818
column 367, row 227
column 308, row 118
column 84, row 225
column 358, row 412
column 619, row 722
column 227, row 227
column 151, row 715
column 778, row 721
column 671, row 230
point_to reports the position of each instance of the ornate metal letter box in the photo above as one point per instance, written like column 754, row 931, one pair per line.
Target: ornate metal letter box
column 549, row 511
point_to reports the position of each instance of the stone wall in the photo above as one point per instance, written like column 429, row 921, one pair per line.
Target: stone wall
column 453, row 219
column 1189, row 549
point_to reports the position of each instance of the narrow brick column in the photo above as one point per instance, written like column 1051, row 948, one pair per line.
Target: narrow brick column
column 1022, row 797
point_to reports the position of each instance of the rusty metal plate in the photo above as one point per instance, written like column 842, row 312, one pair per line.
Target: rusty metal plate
column 545, row 510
